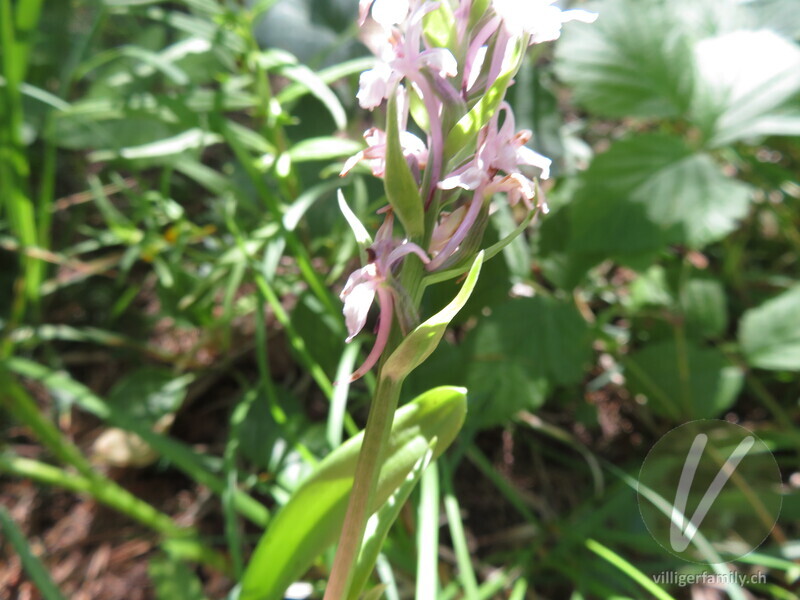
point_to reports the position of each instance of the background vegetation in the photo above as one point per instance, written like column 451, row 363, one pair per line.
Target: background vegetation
column 171, row 251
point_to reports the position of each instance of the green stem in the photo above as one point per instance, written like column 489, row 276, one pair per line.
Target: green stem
column 376, row 433
column 379, row 425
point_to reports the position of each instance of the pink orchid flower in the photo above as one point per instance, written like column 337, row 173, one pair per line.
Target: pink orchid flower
column 403, row 55
column 373, row 279
column 498, row 150
column 375, row 153
column 495, row 168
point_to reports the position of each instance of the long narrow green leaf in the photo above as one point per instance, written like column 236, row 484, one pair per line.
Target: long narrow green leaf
column 329, row 75
column 317, row 88
column 33, row 566
column 183, row 457
column 420, row 343
column 626, row 567
column 428, row 536
column 466, row 572
column 402, row 190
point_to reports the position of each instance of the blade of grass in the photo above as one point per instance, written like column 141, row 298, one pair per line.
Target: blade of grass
column 626, row 567
column 233, row 533
column 14, row 167
column 298, row 250
column 466, row 572
column 710, row 555
column 181, row 456
column 428, row 535
column 480, row 461
column 262, row 338
column 519, row 590
column 112, row 495
column 386, row 575
column 299, row 345
column 338, row 410
column 294, row 91
column 30, row 562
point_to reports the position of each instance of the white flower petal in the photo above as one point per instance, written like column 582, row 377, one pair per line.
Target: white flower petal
column 390, row 12
column 357, row 302
column 477, row 65
column 373, row 86
column 526, row 156
column 440, row 60
column 577, row 14
column 469, row 179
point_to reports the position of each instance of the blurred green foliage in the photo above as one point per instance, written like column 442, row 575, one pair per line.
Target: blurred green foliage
column 170, row 243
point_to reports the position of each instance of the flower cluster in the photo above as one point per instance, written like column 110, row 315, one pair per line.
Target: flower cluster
column 453, row 61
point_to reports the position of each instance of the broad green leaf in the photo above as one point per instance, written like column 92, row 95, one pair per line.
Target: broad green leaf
column 149, row 393
column 684, row 382
column 521, row 349
column 563, row 263
column 770, row 333
column 173, row 580
column 402, row 190
column 420, row 343
column 312, row 519
column 635, row 60
column 466, row 130
column 502, row 388
column 745, row 81
column 649, row 289
column 705, row 308
column 604, row 222
column 548, row 337
column 649, row 183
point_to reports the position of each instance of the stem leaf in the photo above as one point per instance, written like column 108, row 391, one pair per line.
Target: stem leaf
column 421, row 342
column 402, row 190
column 311, row 521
